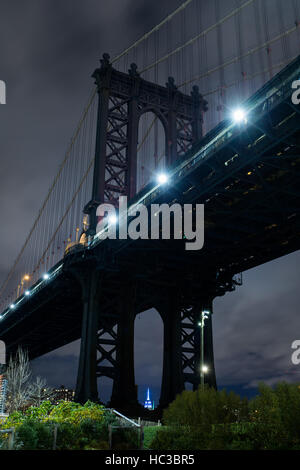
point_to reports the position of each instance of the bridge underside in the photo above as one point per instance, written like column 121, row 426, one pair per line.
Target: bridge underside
column 92, row 302
column 250, row 186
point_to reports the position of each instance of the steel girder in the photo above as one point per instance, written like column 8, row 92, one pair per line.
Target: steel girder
column 123, row 98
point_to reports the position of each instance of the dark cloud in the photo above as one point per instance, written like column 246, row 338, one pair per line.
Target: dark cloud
column 256, row 325
column 48, row 51
column 59, row 369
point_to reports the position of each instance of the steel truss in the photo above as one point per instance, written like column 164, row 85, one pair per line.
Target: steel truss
column 123, row 99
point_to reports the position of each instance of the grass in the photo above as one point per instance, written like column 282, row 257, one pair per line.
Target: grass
column 149, row 435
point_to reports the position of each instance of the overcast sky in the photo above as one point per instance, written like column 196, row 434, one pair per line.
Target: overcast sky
column 48, row 50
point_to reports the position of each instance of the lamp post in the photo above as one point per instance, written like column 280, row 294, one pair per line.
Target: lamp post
column 24, row 279
column 203, row 369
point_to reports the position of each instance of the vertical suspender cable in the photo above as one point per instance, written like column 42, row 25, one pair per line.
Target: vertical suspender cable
column 267, row 36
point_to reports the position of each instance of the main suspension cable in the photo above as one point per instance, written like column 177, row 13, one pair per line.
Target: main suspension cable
column 198, row 36
column 153, row 30
column 53, row 185
column 237, row 58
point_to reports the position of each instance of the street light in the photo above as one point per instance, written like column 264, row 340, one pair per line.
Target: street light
column 112, row 219
column 239, row 116
column 162, row 178
column 203, row 368
column 24, row 279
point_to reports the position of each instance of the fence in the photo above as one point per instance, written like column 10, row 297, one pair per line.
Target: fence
column 11, row 437
column 127, row 423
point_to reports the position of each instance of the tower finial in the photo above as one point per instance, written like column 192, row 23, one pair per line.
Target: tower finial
column 105, row 61
column 133, row 70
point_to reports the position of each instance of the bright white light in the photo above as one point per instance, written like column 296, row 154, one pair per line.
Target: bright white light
column 46, row 276
column 27, row 293
column 204, row 369
column 12, row 306
column 112, row 219
column 239, row 116
column 162, row 178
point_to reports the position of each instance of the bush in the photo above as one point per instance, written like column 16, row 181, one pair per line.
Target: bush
column 78, row 427
column 125, row 439
column 181, row 438
column 205, row 407
column 213, row 420
column 67, row 437
column 75, row 413
column 94, row 430
column 34, row 435
column 41, row 412
column 275, row 414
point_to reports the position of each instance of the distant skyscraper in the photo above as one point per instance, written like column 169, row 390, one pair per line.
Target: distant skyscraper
column 148, row 403
column 3, row 383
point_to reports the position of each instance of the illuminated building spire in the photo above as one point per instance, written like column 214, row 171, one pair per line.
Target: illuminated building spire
column 148, row 403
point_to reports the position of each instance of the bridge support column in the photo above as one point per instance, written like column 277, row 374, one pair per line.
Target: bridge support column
column 182, row 349
column 124, row 390
column 124, row 394
column 172, row 379
column 86, row 387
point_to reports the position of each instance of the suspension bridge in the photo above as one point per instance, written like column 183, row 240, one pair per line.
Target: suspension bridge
column 167, row 103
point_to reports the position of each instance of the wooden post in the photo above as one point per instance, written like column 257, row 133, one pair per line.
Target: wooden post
column 11, row 439
column 110, row 436
column 55, row 437
column 141, row 437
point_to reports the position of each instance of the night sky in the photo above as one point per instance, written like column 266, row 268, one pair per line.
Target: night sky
column 48, row 50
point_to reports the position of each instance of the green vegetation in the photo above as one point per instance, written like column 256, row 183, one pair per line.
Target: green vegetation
column 207, row 419
column 206, row 406
column 76, row 426
column 125, row 439
column 149, row 435
column 204, row 419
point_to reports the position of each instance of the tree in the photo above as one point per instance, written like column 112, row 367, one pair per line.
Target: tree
column 18, row 376
column 277, row 410
column 206, row 406
column 39, row 392
column 21, row 390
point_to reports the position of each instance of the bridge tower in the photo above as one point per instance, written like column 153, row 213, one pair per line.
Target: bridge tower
column 107, row 342
column 123, row 99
